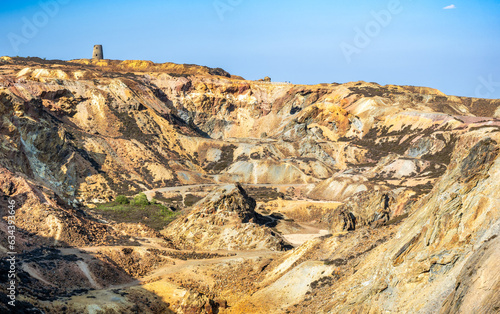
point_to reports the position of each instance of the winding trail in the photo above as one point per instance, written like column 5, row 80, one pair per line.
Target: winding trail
column 86, row 253
column 35, row 274
column 182, row 265
column 85, row 269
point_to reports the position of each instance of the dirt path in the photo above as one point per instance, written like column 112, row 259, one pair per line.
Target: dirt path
column 85, row 269
column 181, row 265
column 86, row 253
column 35, row 274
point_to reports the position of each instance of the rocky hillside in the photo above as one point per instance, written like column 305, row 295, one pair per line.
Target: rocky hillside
column 388, row 193
column 225, row 220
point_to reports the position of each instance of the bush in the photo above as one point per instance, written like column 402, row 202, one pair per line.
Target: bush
column 166, row 211
column 122, row 199
column 141, row 199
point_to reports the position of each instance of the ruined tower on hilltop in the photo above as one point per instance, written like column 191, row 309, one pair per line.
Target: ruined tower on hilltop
column 98, row 54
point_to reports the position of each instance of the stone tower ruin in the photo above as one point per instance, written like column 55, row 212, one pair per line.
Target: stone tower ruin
column 98, row 54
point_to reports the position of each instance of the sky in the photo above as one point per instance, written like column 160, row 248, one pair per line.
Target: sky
column 451, row 45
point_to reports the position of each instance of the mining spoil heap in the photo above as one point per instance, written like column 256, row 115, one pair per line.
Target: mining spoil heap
column 246, row 196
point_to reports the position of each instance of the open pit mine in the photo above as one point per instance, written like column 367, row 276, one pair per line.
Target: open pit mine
column 135, row 187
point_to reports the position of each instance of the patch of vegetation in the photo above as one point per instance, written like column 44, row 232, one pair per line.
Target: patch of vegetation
column 336, row 262
column 170, row 201
column 122, row 199
column 137, row 210
column 277, row 216
column 180, row 75
column 226, row 159
column 189, row 255
column 479, row 160
column 190, row 199
column 444, row 155
column 264, row 194
column 218, row 71
column 141, row 200
column 324, row 281
column 397, row 219
column 368, row 91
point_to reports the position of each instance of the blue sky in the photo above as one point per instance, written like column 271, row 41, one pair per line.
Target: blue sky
column 402, row 42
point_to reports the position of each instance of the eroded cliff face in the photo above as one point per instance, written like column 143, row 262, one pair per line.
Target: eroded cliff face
column 415, row 267
column 90, row 133
column 404, row 179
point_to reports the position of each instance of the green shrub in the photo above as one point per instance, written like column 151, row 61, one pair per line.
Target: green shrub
column 122, row 199
column 165, row 211
column 156, row 216
column 141, row 199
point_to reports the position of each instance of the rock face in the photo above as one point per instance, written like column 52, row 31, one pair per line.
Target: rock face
column 371, row 208
column 482, row 271
column 224, row 220
column 405, row 179
column 432, row 262
column 89, row 136
column 445, row 231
